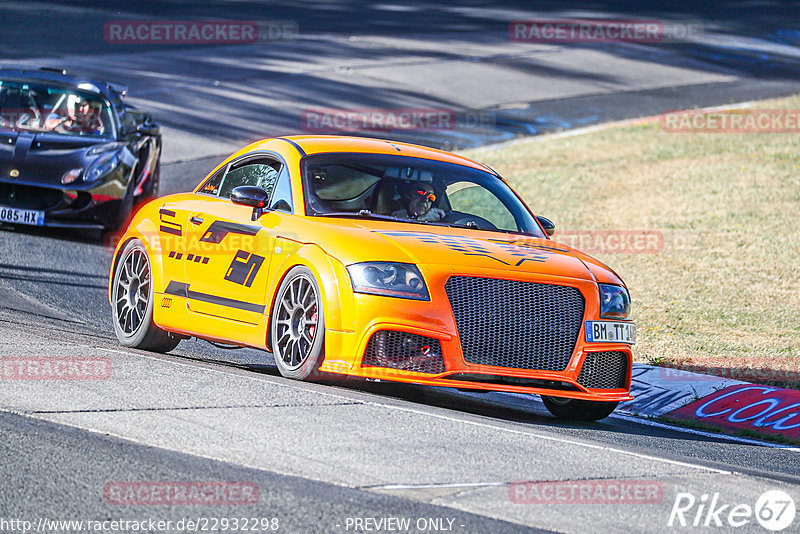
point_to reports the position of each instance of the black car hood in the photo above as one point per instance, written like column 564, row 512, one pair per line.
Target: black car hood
column 42, row 158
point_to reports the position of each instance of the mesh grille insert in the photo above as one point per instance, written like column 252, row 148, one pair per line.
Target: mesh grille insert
column 604, row 370
column 522, row 325
column 404, row 351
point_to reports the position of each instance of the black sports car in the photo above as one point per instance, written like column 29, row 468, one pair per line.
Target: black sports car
column 72, row 153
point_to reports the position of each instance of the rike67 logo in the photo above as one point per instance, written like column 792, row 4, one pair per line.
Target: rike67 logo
column 774, row 510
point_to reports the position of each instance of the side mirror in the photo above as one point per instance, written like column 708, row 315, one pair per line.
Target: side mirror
column 252, row 196
column 148, row 129
column 547, row 224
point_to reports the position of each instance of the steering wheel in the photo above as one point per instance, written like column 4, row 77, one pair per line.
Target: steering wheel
column 463, row 219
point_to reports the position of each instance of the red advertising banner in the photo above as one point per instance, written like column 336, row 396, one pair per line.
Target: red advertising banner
column 761, row 409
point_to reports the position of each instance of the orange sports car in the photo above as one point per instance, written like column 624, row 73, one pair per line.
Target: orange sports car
column 376, row 259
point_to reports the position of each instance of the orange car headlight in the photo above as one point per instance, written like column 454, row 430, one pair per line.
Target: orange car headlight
column 390, row 279
column 615, row 302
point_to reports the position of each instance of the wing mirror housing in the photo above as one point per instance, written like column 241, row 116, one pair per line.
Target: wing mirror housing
column 252, row 196
column 151, row 130
column 548, row 225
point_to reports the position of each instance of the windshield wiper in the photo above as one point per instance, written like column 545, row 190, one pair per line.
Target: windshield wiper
column 362, row 214
column 471, row 225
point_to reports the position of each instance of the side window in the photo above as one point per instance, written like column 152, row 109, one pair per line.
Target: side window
column 211, row 187
column 260, row 173
column 471, row 198
column 282, row 197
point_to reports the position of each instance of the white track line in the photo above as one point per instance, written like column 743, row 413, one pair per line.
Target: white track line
column 496, row 427
column 558, row 439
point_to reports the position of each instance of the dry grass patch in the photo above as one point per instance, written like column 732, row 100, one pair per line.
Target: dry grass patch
column 725, row 291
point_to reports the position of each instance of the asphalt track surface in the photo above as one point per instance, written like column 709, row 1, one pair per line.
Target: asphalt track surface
column 323, row 453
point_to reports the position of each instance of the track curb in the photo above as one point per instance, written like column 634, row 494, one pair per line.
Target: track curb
column 730, row 405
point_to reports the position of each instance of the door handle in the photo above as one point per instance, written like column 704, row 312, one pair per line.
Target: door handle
column 196, row 220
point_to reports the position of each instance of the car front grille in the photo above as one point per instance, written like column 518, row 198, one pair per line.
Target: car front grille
column 510, row 323
column 29, row 197
column 604, row 370
column 404, row 351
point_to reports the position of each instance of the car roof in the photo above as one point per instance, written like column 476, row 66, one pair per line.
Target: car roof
column 59, row 77
column 320, row 144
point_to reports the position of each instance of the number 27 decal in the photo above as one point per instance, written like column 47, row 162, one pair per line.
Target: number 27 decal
column 243, row 268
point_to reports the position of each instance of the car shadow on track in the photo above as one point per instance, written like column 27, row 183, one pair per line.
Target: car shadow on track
column 507, row 407
column 78, row 235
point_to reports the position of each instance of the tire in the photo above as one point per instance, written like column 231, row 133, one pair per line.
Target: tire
column 132, row 298
column 297, row 326
column 578, row 410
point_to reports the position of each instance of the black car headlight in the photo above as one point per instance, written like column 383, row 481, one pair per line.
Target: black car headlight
column 615, row 303
column 389, row 279
column 103, row 165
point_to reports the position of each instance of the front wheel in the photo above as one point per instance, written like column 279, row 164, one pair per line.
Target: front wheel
column 132, row 302
column 297, row 329
column 578, row 410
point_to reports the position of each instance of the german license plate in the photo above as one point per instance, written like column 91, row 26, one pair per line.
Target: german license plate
column 610, row 332
column 19, row 216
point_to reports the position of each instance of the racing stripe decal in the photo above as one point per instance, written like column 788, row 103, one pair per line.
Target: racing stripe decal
column 298, row 147
column 170, row 230
column 219, row 229
column 169, row 227
column 178, row 289
column 181, row 289
column 244, row 268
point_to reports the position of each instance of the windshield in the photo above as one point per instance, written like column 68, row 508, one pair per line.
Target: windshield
column 412, row 190
column 42, row 108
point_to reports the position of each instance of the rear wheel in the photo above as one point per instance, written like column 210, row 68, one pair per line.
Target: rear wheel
column 297, row 329
column 132, row 302
column 578, row 410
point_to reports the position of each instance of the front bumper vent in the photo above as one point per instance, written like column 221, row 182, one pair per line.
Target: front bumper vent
column 404, row 351
column 604, row 370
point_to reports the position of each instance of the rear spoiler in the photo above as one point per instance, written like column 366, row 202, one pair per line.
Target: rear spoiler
column 53, row 69
column 118, row 88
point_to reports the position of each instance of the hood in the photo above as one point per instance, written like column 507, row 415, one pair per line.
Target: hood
column 457, row 248
column 41, row 158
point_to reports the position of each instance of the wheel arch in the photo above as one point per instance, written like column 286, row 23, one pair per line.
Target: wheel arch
column 321, row 266
column 145, row 231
